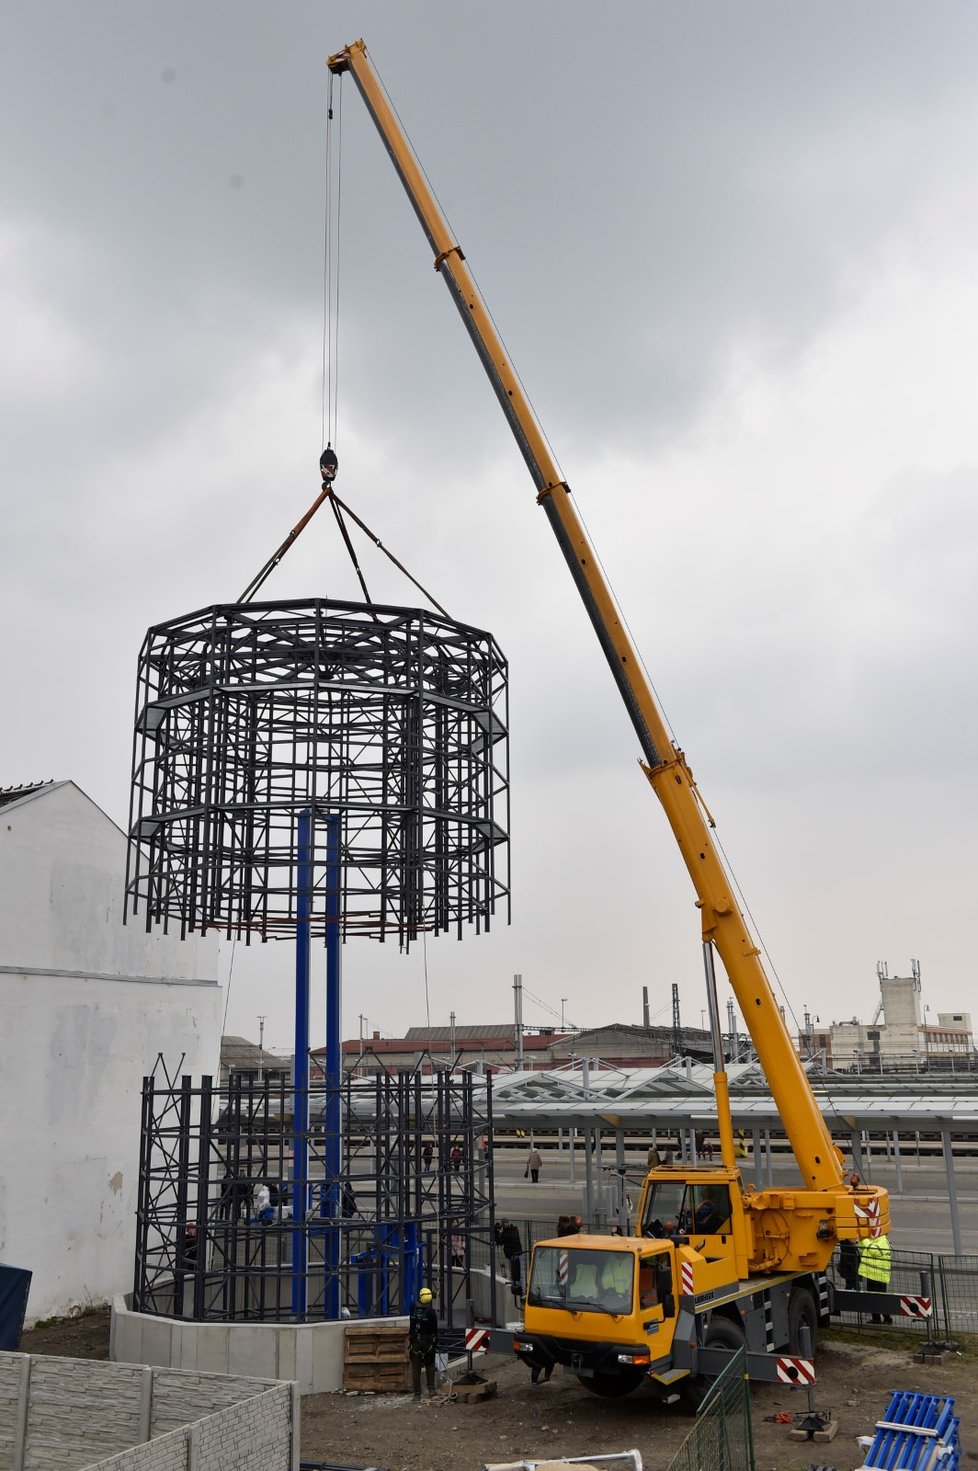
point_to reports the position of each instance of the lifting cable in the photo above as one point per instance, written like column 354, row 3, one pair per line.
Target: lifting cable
column 328, row 464
column 331, row 261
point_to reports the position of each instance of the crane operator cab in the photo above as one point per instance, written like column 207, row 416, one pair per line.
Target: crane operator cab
column 697, row 1212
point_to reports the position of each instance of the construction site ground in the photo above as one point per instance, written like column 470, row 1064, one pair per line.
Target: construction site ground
column 856, row 1374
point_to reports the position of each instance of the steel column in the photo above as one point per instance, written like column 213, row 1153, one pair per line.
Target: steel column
column 300, row 1067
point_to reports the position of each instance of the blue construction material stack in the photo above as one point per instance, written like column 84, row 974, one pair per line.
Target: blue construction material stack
column 919, row 1432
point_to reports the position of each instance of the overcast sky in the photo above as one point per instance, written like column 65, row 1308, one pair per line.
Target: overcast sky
column 733, row 250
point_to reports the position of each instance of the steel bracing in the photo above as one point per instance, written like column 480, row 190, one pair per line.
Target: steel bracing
column 221, row 1222
column 246, row 714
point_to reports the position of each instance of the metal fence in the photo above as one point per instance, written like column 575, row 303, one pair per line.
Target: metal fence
column 722, row 1438
column 950, row 1281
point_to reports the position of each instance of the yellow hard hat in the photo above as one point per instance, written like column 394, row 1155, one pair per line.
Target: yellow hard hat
column 424, row 1295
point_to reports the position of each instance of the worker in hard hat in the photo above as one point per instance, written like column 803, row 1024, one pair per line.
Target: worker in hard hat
column 423, row 1343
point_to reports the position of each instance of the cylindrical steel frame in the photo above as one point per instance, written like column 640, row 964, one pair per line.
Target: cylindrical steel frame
column 413, row 1202
column 395, row 718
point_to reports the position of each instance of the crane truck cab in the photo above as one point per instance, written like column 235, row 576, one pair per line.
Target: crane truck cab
column 602, row 1306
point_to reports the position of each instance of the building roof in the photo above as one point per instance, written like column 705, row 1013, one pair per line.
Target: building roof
column 483, row 1031
column 240, row 1055
column 412, row 1045
column 9, row 795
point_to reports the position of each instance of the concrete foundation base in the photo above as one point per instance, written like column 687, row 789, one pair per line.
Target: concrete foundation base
column 474, row 1394
column 311, row 1354
column 829, row 1431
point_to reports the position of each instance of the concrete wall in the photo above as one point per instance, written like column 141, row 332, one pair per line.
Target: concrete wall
column 64, row 1414
column 86, row 1005
column 309, row 1353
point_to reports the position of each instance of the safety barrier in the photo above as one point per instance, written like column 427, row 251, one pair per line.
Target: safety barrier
column 953, row 1287
column 918, row 1432
column 722, row 1438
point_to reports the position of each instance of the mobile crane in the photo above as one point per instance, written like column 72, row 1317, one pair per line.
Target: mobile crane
column 716, row 1264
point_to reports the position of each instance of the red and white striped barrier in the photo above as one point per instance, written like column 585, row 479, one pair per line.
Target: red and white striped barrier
column 794, row 1371
column 477, row 1340
column 563, row 1269
column 917, row 1307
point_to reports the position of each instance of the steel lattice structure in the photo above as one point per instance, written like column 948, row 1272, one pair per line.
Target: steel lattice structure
column 247, row 714
column 412, row 1203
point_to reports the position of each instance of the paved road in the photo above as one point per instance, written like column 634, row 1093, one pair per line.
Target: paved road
column 919, row 1214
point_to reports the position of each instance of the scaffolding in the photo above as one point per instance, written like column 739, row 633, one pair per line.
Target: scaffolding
column 224, row 1233
column 248, row 714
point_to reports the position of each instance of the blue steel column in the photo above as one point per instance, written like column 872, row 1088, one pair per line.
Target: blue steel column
column 332, row 1151
column 300, row 1072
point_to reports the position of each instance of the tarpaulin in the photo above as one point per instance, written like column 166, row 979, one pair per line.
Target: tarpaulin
column 15, row 1284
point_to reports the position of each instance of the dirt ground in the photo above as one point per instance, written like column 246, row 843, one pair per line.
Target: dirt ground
column 561, row 1418
column 855, row 1378
column 83, row 1337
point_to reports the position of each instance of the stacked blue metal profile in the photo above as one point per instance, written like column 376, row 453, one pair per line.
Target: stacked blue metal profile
column 919, row 1432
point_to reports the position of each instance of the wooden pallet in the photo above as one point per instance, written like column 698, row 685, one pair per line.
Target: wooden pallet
column 375, row 1358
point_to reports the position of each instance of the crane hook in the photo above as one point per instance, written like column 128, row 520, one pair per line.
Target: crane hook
column 328, row 465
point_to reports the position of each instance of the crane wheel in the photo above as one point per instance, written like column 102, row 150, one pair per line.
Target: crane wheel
column 802, row 1313
column 720, row 1333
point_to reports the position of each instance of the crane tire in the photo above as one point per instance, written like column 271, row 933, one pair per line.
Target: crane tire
column 721, row 1332
column 802, row 1313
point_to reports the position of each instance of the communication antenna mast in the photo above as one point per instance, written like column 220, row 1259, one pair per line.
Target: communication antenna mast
column 677, row 1023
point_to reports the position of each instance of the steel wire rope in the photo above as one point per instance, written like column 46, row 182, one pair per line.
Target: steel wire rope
column 546, row 1006
column 830, row 1100
column 331, row 263
column 332, row 234
column 227, row 996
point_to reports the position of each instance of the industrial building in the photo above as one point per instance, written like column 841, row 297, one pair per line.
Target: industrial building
column 493, row 1047
column 903, row 1035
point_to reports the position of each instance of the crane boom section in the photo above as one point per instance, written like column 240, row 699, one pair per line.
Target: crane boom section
column 665, row 765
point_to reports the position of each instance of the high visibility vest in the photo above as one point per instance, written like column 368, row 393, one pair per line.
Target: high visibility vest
column 874, row 1259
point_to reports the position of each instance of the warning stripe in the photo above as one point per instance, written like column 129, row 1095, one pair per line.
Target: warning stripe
column 870, row 1213
column 917, row 1307
column 795, row 1371
column 686, row 1277
column 822, row 1283
column 563, row 1268
column 477, row 1340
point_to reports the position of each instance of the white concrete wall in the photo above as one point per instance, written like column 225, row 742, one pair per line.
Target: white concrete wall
column 86, row 1005
column 310, row 1354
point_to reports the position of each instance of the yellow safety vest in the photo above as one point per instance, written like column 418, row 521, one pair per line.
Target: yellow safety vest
column 874, row 1259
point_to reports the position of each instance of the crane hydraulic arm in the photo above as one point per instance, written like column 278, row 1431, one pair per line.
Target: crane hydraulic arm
column 664, row 764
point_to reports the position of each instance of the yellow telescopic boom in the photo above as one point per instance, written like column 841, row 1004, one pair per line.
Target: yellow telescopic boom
column 665, row 765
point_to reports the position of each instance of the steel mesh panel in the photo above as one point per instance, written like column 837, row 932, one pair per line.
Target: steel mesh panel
column 247, row 714
column 722, row 1438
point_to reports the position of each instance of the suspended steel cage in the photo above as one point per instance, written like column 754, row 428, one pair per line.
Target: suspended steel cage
column 248, row 714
